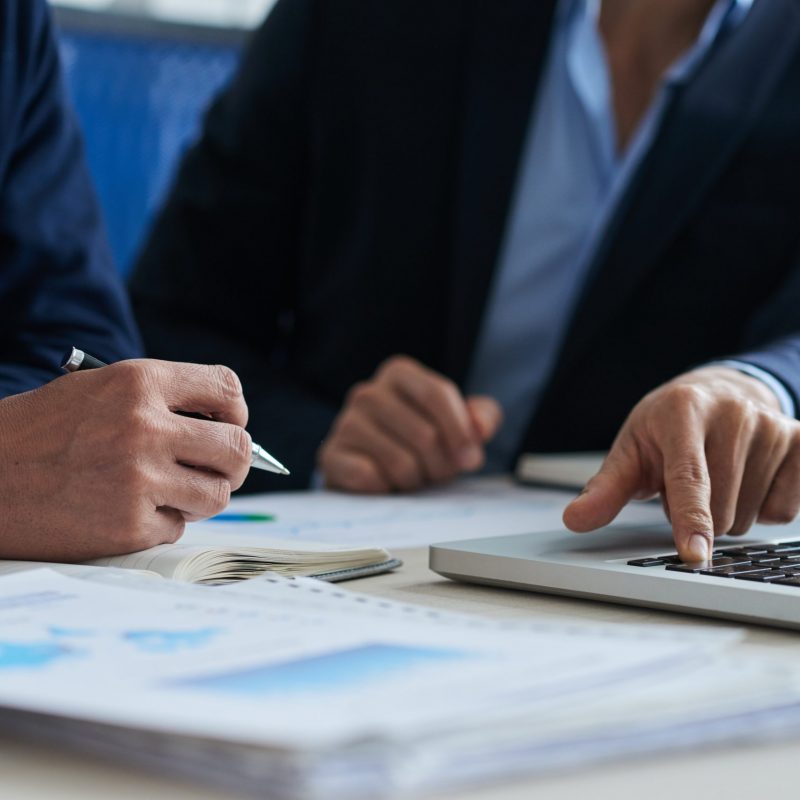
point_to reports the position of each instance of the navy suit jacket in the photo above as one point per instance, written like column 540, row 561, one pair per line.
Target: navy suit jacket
column 58, row 285
column 348, row 198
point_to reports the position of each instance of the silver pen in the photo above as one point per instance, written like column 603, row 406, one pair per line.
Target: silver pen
column 76, row 360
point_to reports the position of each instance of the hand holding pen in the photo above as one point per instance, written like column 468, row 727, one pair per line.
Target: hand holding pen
column 76, row 360
column 94, row 463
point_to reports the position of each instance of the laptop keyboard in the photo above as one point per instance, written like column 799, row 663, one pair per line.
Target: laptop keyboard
column 768, row 563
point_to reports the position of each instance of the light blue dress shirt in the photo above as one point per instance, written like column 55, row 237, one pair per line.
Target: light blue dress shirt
column 571, row 179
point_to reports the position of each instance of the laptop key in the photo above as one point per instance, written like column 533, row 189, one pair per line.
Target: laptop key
column 785, row 547
column 795, row 581
column 647, row 562
column 754, row 549
column 768, row 559
column 739, row 552
column 699, row 566
column 735, row 569
column 760, row 577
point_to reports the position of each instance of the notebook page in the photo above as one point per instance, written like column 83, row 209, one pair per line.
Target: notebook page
column 164, row 559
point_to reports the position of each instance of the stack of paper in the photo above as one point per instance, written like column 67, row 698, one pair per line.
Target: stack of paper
column 297, row 689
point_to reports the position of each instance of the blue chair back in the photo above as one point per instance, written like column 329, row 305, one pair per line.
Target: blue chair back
column 140, row 90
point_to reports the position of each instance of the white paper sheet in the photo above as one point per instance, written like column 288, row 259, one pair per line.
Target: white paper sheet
column 319, row 692
column 471, row 508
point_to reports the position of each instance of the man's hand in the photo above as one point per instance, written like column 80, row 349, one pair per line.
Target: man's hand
column 406, row 428
column 96, row 463
column 714, row 444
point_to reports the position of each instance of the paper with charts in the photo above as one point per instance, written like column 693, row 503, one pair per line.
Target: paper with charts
column 470, row 508
column 297, row 689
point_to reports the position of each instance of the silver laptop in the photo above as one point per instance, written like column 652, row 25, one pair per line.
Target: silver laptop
column 754, row 578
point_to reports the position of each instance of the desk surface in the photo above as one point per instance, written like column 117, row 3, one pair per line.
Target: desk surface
column 30, row 771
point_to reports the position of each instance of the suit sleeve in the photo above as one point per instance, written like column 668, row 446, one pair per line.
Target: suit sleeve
column 216, row 279
column 773, row 338
column 58, row 284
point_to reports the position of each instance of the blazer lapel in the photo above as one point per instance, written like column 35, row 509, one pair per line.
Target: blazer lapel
column 701, row 131
column 506, row 41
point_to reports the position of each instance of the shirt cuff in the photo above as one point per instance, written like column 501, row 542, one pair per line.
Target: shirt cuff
column 317, row 480
column 779, row 390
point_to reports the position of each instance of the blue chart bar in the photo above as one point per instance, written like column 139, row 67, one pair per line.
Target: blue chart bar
column 325, row 672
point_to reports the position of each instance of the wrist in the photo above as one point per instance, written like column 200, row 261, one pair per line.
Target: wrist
column 741, row 383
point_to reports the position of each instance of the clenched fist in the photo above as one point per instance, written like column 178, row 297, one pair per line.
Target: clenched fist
column 97, row 463
column 406, row 428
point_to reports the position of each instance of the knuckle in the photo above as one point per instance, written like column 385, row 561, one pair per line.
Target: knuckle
column 426, row 437
column 694, row 518
column 240, row 443
column 740, row 528
column 403, row 469
column 359, row 476
column 166, row 529
column 141, row 427
column 777, row 513
column 218, row 495
column 723, row 522
column 226, row 381
column 439, row 388
column 137, row 378
column 136, row 479
column 687, row 472
column 398, row 363
column 347, row 427
column 684, row 396
column 175, row 532
column 745, row 517
column 361, row 394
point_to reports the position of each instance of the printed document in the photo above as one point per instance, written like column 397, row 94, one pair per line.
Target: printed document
column 292, row 688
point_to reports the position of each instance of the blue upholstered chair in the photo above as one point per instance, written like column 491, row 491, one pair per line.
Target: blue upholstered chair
column 140, row 89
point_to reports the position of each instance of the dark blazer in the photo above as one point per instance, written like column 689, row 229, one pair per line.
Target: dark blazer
column 58, row 285
column 349, row 194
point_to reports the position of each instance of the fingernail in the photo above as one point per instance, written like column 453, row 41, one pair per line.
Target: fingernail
column 698, row 548
column 470, row 457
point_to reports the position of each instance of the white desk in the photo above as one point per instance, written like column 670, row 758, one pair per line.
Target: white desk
column 28, row 771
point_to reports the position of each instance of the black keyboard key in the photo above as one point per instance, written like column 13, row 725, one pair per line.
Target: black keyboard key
column 732, row 552
column 735, row 569
column 795, row 581
column 785, row 547
column 648, row 562
column 699, row 566
column 755, row 549
column 767, row 560
column 760, row 577
column 789, row 572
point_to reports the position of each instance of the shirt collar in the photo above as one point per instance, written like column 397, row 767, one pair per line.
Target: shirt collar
column 724, row 13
